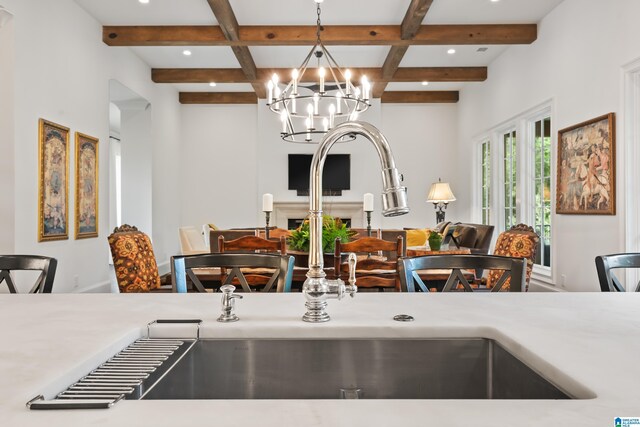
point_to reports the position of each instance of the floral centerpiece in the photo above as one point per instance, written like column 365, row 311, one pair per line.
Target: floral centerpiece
column 331, row 229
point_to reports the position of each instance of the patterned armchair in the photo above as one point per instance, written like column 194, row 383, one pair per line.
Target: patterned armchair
column 133, row 260
column 519, row 241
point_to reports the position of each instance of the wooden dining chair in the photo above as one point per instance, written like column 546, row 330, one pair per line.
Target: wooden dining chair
column 372, row 271
column 183, row 266
column 256, row 277
column 46, row 265
column 228, row 235
column 606, row 263
column 511, row 269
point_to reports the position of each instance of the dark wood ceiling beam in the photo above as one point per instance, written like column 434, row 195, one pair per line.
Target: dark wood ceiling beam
column 476, row 34
column 410, row 26
column 218, row 98
column 236, row 75
column 343, row 35
column 418, row 97
column 421, row 97
column 229, row 26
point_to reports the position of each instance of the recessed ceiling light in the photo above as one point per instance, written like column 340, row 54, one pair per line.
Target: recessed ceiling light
column 495, row 1
column 425, row 83
column 451, row 51
column 186, row 52
column 212, row 84
column 147, row 1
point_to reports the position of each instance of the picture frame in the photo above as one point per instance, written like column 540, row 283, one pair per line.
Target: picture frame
column 53, row 181
column 87, row 186
column 586, row 165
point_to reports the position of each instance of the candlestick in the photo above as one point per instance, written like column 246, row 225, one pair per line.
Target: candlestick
column 332, row 112
column 270, row 88
column 316, row 100
column 321, row 72
column 368, row 223
column 347, row 75
column 339, row 102
column 266, row 227
column 294, row 74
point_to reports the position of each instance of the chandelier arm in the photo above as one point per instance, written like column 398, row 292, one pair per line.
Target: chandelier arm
column 336, row 79
column 305, row 63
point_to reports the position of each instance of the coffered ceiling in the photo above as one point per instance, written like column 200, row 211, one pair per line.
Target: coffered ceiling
column 236, row 43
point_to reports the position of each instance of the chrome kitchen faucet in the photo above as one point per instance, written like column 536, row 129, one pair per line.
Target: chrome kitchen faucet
column 317, row 289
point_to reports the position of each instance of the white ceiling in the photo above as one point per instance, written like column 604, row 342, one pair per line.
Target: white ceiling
column 302, row 12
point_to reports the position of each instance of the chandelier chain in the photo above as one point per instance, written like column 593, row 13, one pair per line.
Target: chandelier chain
column 318, row 24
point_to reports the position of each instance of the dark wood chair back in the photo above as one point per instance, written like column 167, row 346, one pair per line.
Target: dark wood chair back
column 374, row 271
column 248, row 244
column 362, row 232
column 392, row 235
column 512, row 269
column 282, row 266
column 228, row 235
column 606, row 263
column 47, row 267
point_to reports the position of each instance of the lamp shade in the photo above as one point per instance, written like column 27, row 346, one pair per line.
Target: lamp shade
column 440, row 192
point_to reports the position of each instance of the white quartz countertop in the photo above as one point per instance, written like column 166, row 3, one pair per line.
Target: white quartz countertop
column 587, row 341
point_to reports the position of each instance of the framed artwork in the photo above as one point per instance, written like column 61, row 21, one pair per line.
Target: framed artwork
column 53, row 181
column 86, row 212
column 586, row 168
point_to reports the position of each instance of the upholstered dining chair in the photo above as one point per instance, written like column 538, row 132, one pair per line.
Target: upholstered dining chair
column 510, row 270
column 520, row 241
column 373, row 272
column 133, row 259
column 605, row 264
column 282, row 267
column 46, row 266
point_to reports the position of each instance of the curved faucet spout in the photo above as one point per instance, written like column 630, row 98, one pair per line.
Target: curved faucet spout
column 394, row 203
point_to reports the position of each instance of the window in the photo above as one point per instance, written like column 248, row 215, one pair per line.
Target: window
column 510, row 181
column 542, row 188
column 485, row 153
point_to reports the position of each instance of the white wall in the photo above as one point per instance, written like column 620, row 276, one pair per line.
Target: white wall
column 423, row 138
column 219, row 182
column 576, row 61
column 7, row 162
column 62, row 74
column 234, row 154
column 135, row 146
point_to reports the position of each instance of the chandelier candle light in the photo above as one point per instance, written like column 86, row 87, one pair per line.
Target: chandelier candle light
column 308, row 111
column 267, row 208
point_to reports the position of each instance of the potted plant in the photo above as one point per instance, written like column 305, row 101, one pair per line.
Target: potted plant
column 331, row 229
column 435, row 240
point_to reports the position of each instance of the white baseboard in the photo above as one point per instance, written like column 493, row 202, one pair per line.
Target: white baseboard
column 537, row 286
column 98, row 288
column 164, row 268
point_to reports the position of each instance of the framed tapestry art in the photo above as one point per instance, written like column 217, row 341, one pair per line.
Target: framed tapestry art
column 86, row 212
column 586, row 168
column 53, row 181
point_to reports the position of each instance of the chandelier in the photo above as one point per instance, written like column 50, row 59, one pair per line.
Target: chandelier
column 308, row 108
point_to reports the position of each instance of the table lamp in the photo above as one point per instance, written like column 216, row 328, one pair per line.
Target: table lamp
column 440, row 195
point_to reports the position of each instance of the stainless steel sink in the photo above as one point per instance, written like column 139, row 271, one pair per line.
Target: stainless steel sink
column 364, row 369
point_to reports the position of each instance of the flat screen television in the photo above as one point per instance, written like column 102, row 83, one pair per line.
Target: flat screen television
column 336, row 175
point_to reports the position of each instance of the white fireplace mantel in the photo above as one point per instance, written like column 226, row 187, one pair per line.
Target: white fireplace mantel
column 283, row 211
